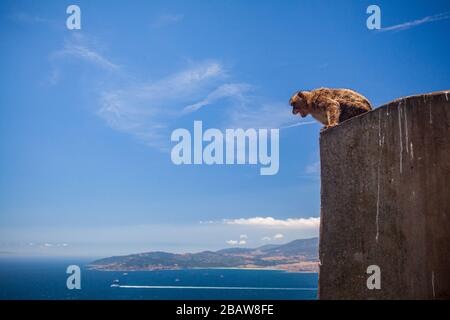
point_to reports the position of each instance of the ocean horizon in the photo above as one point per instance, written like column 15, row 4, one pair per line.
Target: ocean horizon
column 23, row 278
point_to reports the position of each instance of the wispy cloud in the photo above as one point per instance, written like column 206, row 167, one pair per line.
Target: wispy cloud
column 166, row 19
column 418, row 22
column 236, row 242
column 26, row 18
column 97, row 241
column 235, row 90
column 278, row 236
column 259, row 113
column 149, row 110
column 299, row 124
column 78, row 47
column 299, row 223
column 313, row 168
column 47, row 245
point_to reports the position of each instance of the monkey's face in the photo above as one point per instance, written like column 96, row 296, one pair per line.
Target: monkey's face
column 299, row 105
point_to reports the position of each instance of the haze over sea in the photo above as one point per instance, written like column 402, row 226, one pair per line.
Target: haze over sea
column 45, row 278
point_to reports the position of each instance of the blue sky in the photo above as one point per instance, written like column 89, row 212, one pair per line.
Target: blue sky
column 86, row 115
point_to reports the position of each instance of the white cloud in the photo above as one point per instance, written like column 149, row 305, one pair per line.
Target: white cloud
column 207, row 222
column 26, row 18
column 233, row 90
column 50, row 245
column 236, row 242
column 278, row 236
column 299, row 124
column 78, row 47
column 166, row 19
column 299, row 223
column 418, row 22
column 96, row 241
column 149, row 110
column 258, row 113
column 313, row 168
column 243, row 236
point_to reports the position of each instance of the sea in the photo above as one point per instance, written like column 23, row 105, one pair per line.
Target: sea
column 44, row 278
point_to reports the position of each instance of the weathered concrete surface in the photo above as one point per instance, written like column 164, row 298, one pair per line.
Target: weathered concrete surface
column 386, row 201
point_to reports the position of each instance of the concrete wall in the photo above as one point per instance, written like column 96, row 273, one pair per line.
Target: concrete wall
column 385, row 201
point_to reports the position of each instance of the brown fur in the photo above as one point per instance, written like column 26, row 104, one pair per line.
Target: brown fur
column 329, row 106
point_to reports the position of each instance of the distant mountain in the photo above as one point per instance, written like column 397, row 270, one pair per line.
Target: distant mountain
column 307, row 247
column 297, row 255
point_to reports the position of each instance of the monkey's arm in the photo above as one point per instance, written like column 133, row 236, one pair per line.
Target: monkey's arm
column 333, row 112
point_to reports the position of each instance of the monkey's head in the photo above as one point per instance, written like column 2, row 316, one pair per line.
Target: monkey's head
column 299, row 104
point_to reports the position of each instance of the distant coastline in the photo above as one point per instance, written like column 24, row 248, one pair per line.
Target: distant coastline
column 313, row 269
column 296, row 256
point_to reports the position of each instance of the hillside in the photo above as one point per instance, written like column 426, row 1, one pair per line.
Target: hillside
column 297, row 255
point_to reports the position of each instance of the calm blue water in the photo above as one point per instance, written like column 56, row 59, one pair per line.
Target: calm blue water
column 46, row 279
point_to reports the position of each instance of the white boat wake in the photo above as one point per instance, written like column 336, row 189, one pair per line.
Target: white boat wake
column 209, row 288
